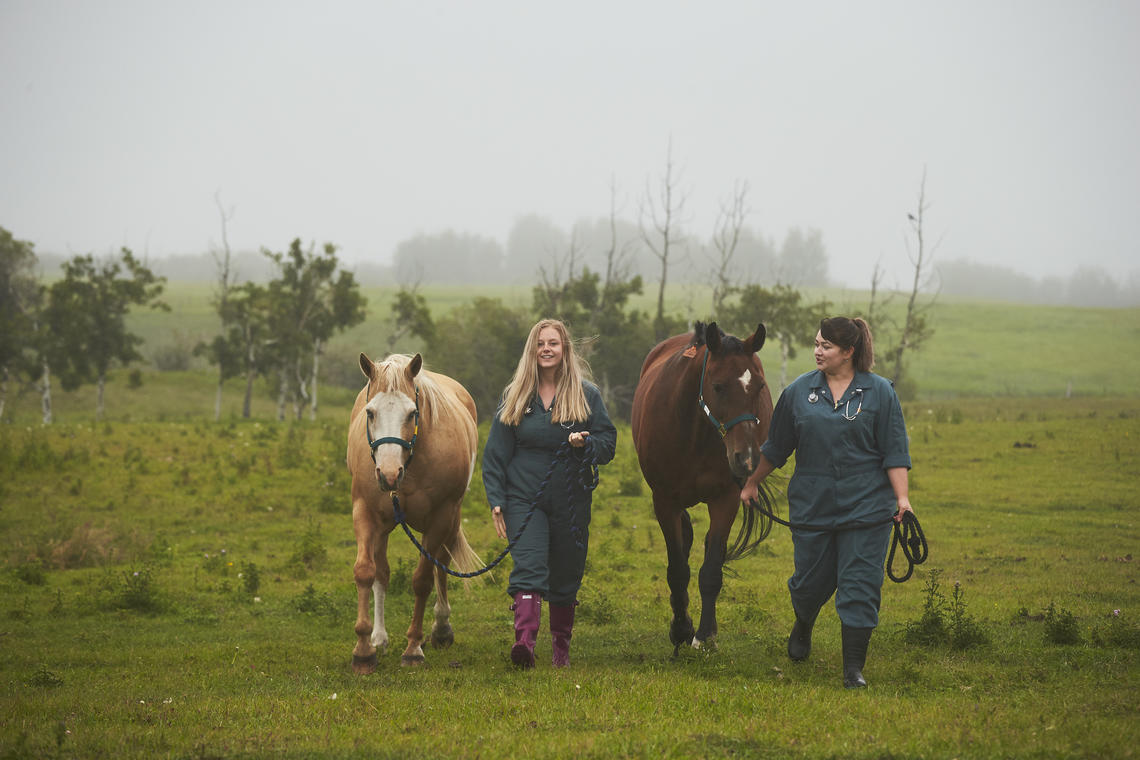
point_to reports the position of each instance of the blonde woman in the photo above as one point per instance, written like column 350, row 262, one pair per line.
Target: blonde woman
column 549, row 402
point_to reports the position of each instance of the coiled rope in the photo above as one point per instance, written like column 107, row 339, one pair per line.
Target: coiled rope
column 907, row 533
column 586, row 469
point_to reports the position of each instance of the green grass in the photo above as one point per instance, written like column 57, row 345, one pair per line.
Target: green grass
column 979, row 348
column 1029, row 505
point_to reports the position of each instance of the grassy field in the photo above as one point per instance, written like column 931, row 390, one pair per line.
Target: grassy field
column 978, row 349
column 178, row 588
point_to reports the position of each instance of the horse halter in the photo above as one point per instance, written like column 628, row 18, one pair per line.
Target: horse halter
column 721, row 427
column 410, row 446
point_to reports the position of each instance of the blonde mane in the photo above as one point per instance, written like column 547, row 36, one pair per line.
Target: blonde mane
column 391, row 375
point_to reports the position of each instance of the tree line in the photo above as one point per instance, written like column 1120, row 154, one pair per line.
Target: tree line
column 74, row 329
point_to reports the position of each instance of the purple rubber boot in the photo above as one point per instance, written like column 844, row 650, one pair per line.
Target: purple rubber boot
column 528, row 614
column 561, row 629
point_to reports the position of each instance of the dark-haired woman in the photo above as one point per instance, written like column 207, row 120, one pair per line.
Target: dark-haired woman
column 846, row 427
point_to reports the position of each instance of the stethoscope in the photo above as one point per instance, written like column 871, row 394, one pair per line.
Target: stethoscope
column 847, row 415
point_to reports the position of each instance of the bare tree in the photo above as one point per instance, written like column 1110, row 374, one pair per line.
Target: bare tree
column 726, row 236
column 226, row 278
column 664, row 211
column 617, row 255
column 915, row 329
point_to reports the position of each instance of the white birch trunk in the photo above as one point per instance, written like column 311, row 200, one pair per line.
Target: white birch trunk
column 45, row 397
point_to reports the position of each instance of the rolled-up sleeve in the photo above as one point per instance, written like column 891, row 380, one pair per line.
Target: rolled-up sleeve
column 781, row 432
column 891, row 432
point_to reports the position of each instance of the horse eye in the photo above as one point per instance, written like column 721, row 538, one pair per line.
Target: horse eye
column 718, row 388
column 411, row 416
column 369, row 413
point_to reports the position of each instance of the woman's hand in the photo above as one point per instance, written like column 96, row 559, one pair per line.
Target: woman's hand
column 750, row 492
column 904, row 506
column 500, row 524
column 578, row 440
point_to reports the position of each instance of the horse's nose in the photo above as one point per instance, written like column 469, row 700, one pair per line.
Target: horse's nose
column 389, row 481
column 742, row 463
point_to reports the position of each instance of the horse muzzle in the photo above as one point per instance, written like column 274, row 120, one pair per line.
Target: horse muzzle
column 389, row 479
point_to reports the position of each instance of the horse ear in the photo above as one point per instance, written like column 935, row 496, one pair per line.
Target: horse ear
column 712, row 337
column 414, row 365
column 366, row 365
column 757, row 339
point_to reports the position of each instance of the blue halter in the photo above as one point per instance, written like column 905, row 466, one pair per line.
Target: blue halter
column 410, row 446
column 721, row 428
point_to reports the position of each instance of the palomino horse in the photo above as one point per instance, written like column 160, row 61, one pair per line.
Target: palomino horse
column 700, row 413
column 411, row 432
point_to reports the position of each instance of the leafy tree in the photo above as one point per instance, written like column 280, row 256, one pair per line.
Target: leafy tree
column 308, row 303
column 411, row 316
column 86, row 313
column 242, row 347
column 19, row 295
column 479, row 344
column 787, row 319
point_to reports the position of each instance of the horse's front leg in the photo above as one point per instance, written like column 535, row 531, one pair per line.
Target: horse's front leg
column 722, row 513
column 677, row 529
column 369, row 578
column 422, row 581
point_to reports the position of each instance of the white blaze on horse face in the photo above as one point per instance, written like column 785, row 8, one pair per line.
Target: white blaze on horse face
column 389, row 410
column 745, row 379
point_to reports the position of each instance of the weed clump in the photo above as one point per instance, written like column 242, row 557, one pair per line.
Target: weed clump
column 1117, row 632
column 945, row 622
column 313, row 602
column 1061, row 626
column 137, row 591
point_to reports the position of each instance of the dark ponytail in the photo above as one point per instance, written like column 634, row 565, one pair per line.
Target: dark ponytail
column 851, row 333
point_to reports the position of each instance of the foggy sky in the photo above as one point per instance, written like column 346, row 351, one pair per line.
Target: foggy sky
column 367, row 123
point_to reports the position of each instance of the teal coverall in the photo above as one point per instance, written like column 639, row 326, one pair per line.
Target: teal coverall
column 550, row 556
column 843, row 450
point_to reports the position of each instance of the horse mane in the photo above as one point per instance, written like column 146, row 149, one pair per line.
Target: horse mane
column 729, row 344
column 391, row 375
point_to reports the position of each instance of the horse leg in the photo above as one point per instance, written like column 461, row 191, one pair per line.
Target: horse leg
column 422, row 581
column 364, row 571
column 677, row 529
column 442, row 635
column 380, row 594
column 722, row 513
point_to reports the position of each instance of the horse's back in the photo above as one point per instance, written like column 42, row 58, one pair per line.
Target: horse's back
column 654, row 381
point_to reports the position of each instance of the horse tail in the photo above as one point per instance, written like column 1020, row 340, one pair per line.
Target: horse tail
column 461, row 557
column 755, row 524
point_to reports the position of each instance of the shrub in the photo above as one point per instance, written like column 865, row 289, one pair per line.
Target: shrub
column 1061, row 626
column 1117, row 632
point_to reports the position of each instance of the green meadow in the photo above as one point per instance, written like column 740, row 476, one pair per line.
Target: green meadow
column 176, row 587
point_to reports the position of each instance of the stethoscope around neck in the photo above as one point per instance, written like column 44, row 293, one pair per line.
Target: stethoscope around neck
column 847, row 415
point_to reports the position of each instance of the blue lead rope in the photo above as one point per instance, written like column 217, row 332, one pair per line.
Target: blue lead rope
column 587, row 481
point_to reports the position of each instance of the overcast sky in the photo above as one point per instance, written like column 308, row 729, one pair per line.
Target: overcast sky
column 366, row 123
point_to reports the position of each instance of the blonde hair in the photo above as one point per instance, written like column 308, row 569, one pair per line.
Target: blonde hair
column 569, row 398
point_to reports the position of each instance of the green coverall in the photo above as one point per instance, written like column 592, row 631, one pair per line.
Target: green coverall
column 843, row 450
column 550, row 556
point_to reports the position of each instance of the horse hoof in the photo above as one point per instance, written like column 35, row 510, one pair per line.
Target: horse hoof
column 443, row 639
column 362, row 666
column 411, row 660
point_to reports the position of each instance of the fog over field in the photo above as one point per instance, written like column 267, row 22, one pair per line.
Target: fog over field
column 507, row 133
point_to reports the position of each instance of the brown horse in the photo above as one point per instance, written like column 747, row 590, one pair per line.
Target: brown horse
column 411, row 431
column 700, row 413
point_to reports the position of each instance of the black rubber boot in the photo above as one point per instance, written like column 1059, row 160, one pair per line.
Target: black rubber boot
column 855, row 642
column 799, row 642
